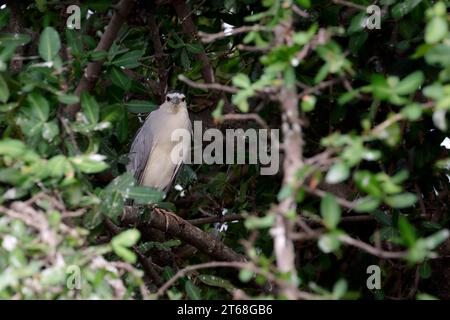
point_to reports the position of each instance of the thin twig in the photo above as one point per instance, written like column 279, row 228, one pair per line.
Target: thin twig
column 372, row 250
column 210, row 37
column 320, row 86
column 208, row 86
column 220, row 264
column 320, row 193
column 220, row 219
column 350, row 4
column 244, row 117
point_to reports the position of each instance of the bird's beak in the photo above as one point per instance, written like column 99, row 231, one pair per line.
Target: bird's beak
column 175, row 100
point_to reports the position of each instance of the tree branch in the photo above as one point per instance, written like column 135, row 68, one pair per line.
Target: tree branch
column 177, row 227
column 207, row 86
column 211, row 37
column 220, row 219
column 219, row 264
column 293, row 145
column 245, row 117
column 93, row 69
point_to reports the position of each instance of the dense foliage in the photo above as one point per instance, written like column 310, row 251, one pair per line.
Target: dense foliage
column 362, row 113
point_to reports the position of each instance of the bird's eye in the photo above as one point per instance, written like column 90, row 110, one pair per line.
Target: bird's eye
column 168, row 98
column 182, row 99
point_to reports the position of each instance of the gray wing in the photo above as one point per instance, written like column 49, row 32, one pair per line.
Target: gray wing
column 141, row 148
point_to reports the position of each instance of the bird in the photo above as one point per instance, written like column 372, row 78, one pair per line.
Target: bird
column 151, row 159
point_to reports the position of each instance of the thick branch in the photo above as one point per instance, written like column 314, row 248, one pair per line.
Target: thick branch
column 179, row 228
column 93, row 69
column 292, row 133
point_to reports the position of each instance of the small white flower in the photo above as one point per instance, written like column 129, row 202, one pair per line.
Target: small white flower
column 9, row 242
column 295, row 61
column 10, row 194
column 96, row 157
column 227, row 29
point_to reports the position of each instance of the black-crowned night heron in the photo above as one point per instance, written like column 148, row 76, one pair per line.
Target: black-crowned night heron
column 155, row 158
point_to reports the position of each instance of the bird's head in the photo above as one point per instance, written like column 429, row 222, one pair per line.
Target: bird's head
column 175, row 100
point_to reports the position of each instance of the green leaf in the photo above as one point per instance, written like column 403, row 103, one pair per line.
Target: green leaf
column 285, row 192
column 90, row 107
column 39, row 107
column 340, row 288
column 357, row 23
column 367, row 204
column 125, row 254
column 68, row 99
column 425, row 296
column 425, row 270
column 49, row 44
column 4, row 90
column 240, row 99
column 433, row 241
column 245, row 275
column 439, row 119
column 143, row 195
column 127, row 238
column 410, row 83
column 12, row 148
column 241, row 80
column 50, row 130
column 382, row 218
column 439, row 55
column 8, row 107
column 329, row 242
column 253, row 222
column 121, row 183
column 412, row 111
column 185, row 62
column 357, row 41
column 97, row 55
column 89, row 163
column 59, row 165
column 192, row 291
column 402, row 200
column 140, row 106
column 330, row 211
column 404, row 7
column 215, row 281
column 112, row 204
column 120, row 79
column 14, row 39
column 436, row 30
column 347, row 97
column 197, row 48
column 129, row 60
column 338, row 172
column 407, row 231
column 304, row 3
column 308, row 103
